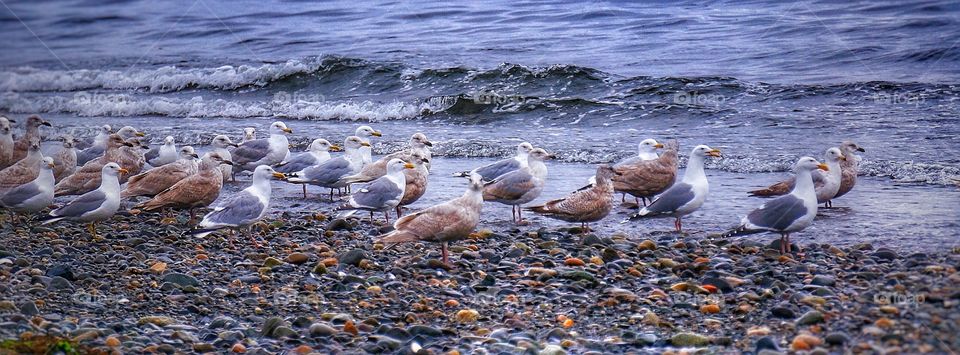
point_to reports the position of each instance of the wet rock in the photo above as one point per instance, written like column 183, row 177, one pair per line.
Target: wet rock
column 837, row 338
column 885, row 254
column 271, row 262
column 352, row 257
column 766, row 343
column 297, row 258
column 181, row 280
column 810, row 318
column 783, row 312
column 156, row 320
column 62, row 270
column 60, row 283
column 823, row 280
column 29, row 308
column 689, row 340
column 321, row 330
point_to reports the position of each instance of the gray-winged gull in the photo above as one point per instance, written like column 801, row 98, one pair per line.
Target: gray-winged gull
column 31, row 133
column 585, row 205
column 243, row 209
column 365, row 132
column 153, row 181
column 826, row 183
column 87, row 177
column 519, row 186
column 850, row 167
column 165, row 154
column 493, row 170
column 686, row 196
column 444, row 223
column 221, row 145
column 34, row 195
column 94, row 152
column 100, row 139
column 331, row 173
column 382, row 194
column 65, row 159
column 197, row 190
column 266, row 151
column 23, row 171
column 96, row 205
column 789, row 213
column 318, row 152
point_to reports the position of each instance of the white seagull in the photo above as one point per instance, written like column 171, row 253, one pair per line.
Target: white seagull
column 96, row 205
column 243, row 209
column 32, row 196
column 493, row 170
column 318, row 152
column 268, row 151
column 221, row 145
column 332, row 173
column 162, row 155
column 686, row 196
column 382, row 194
column 365, row 132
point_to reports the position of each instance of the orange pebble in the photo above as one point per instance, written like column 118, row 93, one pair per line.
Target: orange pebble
column 112, row 342
column 711, row 288
column 574, row 262
column 351, row 328
column 568, row 323
column 239, row 348
column 710, row 308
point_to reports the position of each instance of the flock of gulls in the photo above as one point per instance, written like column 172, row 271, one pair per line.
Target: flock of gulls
column 115, row 166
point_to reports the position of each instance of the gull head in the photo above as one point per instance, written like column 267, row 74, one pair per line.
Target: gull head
column 396, row 165
column 705, row 151
column 127, row 132
column 524, row 148
column 5, row 124
column 417, row 158
column 222, row 141
column 106, row 129
column 187, row 152
column 35, row 121
column 34, row 146
column 476, row 182
column 320, row 145
column 113, row 169
column 850, row 147
column 809, row 164
column 115, row 140
column 605, row 172
column 354, row 143
column 279, row 128
column 649, row 145
column 249, row 133
column 46, row 163
column 834, row 155
column 265, row 172
column 68, row 141
column 419, row 140
column 540, row 154
column 367, row 131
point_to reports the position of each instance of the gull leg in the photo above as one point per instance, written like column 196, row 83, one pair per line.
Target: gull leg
column 371, row 216
column 331, row 195
column 783, row 240
column 443, row 250
column 398, row 212
column 623, row 198
column 678, row 223
column 645, row 201
column 304, row 190
column 386, row 214
column 519, row 214
column 787, row 236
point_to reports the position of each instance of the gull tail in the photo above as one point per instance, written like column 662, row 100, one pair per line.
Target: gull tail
column 397, row 237
column 741, row 230
column 353, row 179
column 643, row 213
column 763, row 193
column 49, row 219
column 202, row 232
column 465, row 174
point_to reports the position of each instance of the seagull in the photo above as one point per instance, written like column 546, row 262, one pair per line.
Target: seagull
column 31, row 134
column 197, row 190
column 6, row 142
column 365, row 132
column 99, row 140
column 382, row 194
column 65, row 159
column 418, row 144
column 645, row 179
column 331, row 173
column 243, row 209
column 416, row 178
column 449, row 221
column 23, row 171
column 849, row 167
column 221, row 145
column 249, row 134
column 493, row 170
column 686, row 196
column 96, row 205
column 370, row 172
column 131, row 157
column 87, row 177
column 95, row 152
column 826, row 184
column 34, row 195
column 267, row 151
column 162, row 155
column 789, row 213
column 318, row 152
column 153, row 181
column 584, row 206
column 519, row 186
column 646, row 150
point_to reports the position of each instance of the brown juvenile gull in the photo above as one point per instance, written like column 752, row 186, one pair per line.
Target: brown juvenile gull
column 266, row 151
column 23, row 171
column 416, row 178
column 645, row 179
column 494, row 170
column 519, row 186
column 165, row 154
column 96, row 205
column 65, row 159
column 31, row 133
column 317, row 153
column 789, row 213
column 243, row 209
column 153, row 181
column 87, row 177
column 583, row 206
column 34, row 195
column 382, row 194
column 6, row 142
column 331, row 173
column 444, row 223
column 646, row 150
column 96, row 151
column 131, row 157
column 221, row 145
column 826, row 183
column 686, row 196
column 850, row 167
column 372, row 171
column 418, row 144
column 197, row 190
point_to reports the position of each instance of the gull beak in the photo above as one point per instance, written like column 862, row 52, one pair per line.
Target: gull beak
column 823, row 167
column 11, row 120
column 128, row 144
column 227, row 162
column 843, row 157
column 408, row 166
column 376, row 134
column 46, row 123
column 427, row 143
column 232, row 144
column 287, row 130
column 289, row 145
column 335, row 148
column 364, row 144
column 861, row 150
column 51, row 165
column 279, row 175
column 140, row 134
column 123, row 171
column 551, row 156
column 425, row 161
column 194, row 155
column 714, row 153
column 658, row 145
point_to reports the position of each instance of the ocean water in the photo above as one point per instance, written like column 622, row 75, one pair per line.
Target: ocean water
column 766, row 82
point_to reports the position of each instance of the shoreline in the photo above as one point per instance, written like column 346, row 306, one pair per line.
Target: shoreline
column 326, row 286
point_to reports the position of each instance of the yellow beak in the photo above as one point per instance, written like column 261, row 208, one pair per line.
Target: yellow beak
column 335, row 148
column 823, row 167
column 279, row 175
column 51, row 165
column 658, row 145
column 364, row 144
column 140, row 134
column 376, row 134
column 408, row 166
column 123, row 171
column 288, row 130
column 843, row 157
column 714, row 153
